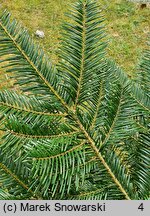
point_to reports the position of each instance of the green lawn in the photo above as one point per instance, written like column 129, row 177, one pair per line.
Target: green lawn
column 127, row 27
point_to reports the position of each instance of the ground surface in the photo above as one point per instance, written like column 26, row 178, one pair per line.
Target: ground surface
column 127, row 28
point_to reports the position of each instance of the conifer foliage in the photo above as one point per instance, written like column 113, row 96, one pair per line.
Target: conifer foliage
column 78, row 129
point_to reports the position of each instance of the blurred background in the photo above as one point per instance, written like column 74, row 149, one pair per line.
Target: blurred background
column 127, row 28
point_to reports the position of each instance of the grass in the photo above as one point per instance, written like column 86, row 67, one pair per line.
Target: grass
column 127, row 28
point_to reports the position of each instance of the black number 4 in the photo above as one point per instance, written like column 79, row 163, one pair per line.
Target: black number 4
column 141, row 207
